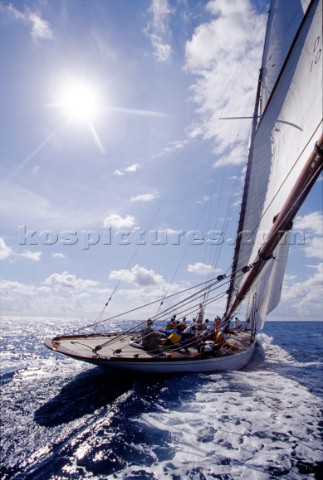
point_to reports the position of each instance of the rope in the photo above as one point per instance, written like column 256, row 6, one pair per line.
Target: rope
column 138, row 246
column 136, row 328
column 142, row 306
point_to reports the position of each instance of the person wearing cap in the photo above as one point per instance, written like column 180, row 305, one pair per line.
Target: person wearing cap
column 190, row 331
column 172, row 323
column 217, row 322
column 206, row 329
column 191, row 335
column 237, row 323
column 182, row 324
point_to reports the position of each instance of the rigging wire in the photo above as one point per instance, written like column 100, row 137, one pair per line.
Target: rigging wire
column 215, row 216
column 189, row 299
column 184, row 302
column 138, row 246
column 183, row 256
column 137, row 328
column 142, row 306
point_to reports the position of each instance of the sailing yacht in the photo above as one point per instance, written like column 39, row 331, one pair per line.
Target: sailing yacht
column 284, row 161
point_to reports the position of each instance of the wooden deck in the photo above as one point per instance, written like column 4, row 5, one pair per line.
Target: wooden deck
column 118, row 346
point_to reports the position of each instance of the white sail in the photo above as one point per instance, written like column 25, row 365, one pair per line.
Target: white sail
column 266, row 292
column 285, row 137
column 284, row 19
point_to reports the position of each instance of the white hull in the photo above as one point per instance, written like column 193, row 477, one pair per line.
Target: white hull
column 234, row 361
column 139, row 361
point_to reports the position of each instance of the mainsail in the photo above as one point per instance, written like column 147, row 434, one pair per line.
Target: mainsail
column 282, row 159
column 284, row 19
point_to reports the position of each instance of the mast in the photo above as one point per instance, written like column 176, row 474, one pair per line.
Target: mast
column 247, row 176
column 283, row 222
column 245, row 192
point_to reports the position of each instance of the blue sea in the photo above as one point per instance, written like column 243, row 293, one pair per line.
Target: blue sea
column 62, row 419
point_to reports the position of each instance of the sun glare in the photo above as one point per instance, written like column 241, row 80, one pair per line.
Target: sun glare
column 79, row 101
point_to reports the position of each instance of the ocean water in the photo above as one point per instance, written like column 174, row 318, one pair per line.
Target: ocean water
column 63, row 419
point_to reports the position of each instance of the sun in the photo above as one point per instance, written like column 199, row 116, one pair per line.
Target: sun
column 79, row 101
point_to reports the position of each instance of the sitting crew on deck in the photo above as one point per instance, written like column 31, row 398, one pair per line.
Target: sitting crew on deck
column 172, row 323
column 200, row 327
column 220, row 338
column 208, row 348
column 207, row 330
column 221, row 341
column 191, row 336
column 183, row 324
column 150, row 339
column 217, row 322
column 190, row 332
column 237, row 323
column 175, row 337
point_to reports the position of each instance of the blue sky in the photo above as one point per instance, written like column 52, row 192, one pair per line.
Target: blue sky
column 115, row 164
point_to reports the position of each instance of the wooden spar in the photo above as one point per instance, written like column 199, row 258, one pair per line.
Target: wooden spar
column 238, row 118
column 245, row 191
column 282, row 223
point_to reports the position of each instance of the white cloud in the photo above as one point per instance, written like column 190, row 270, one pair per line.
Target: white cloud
column 63, row 294
column 170, row 231
column 15, row 289
column 54, row 298
column 169, row 235
column 40, row 28
column 58, row 255
column 145, row 197
column 312, row 225
column 302, row 300
column 204, row 199
column 173, row 147
column 68, row 280
column 289, row 278
column 132, row 168
column 160, row 11
column 312, row 222
column 116, row 221
column 35, row 256
column 162, row 50
column 158, row 30
column 5, row 251
column 225, row 57
column 140, row 276
column 314, row 248
column 201, row 268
